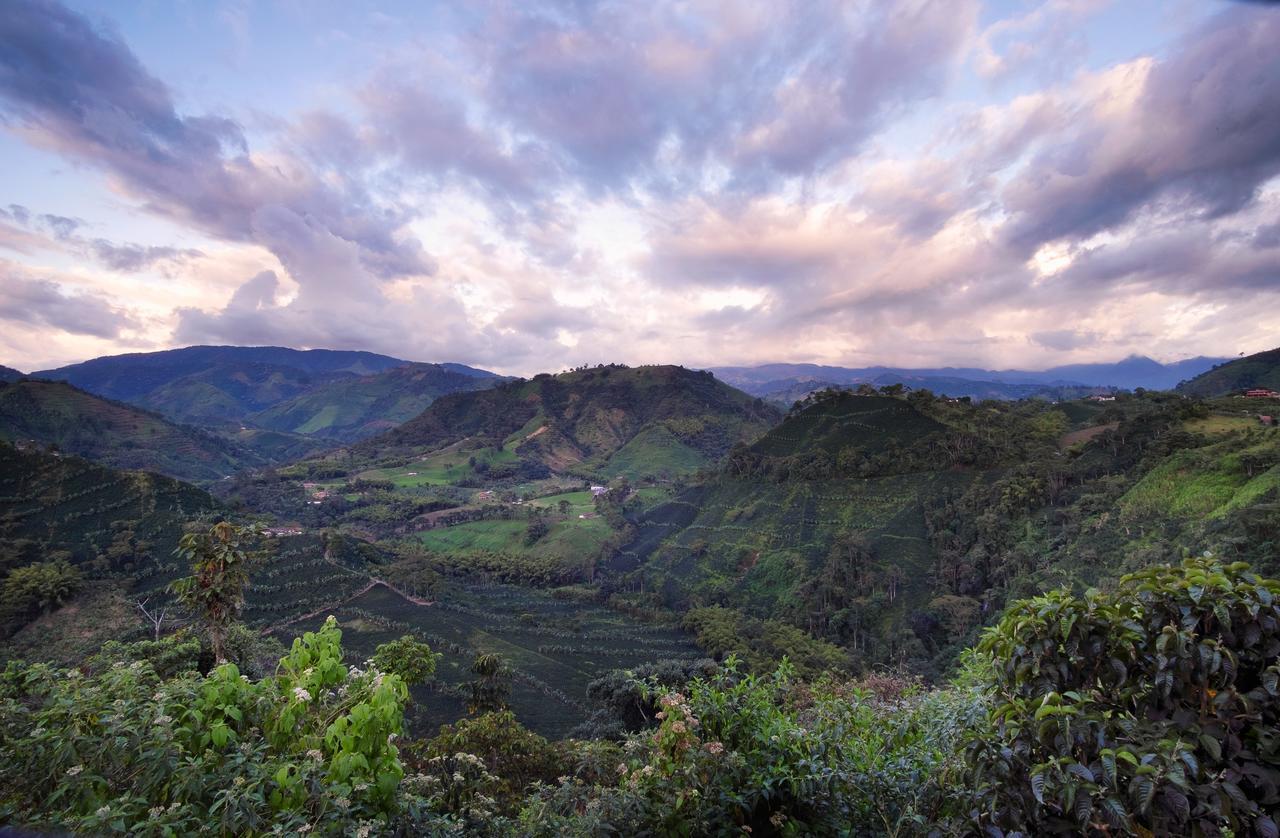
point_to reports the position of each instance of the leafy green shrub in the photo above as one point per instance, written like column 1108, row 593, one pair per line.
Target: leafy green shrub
column 124, row 751
column 407, row 657
column 35, row 589
column 511, row 756
column 1151, row 709
column 766, row 755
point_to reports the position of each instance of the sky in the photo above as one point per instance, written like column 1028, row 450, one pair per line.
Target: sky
column 528, row 185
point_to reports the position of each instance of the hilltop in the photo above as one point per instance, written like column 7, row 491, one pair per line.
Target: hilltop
column 606, row 421
column 1261, row 370
column 352, row 408
column 54, row 413
column 227, row 385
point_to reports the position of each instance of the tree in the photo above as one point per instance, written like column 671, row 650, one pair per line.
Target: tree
column 407, row 657
column 564, row 506
column 492, row 687
column 220, row 565
column 155, row 614
column 37, row 588
column 537, row 529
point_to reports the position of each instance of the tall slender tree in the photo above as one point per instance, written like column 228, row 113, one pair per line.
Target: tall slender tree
column 221, row 560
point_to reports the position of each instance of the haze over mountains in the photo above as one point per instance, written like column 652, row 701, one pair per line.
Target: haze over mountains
column 791, row 380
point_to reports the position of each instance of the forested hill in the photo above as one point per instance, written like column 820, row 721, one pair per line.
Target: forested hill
column 118, row 435
column 350, row 408
column 131, row 377
column 105, row 521
column 1261, row 370
column 891, row 526
column 606, row 420
column 9, row 374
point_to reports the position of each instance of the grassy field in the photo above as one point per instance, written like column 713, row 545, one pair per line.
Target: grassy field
column 441, row 468
column 570, row 538
column 1204, row 482
column 1218, row 424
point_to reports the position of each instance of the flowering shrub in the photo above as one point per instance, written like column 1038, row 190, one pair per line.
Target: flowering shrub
column 310, row 749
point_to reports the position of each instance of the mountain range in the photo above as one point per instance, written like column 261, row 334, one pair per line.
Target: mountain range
column 782, row 381
column 320, row 393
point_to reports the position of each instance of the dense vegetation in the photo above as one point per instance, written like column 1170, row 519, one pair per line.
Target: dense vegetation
column 1261, row 370
column 636, row 601
column 1148, row 709
column 602, row 421
column 54, row 414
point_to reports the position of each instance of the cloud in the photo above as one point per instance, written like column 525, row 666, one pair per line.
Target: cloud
column 81, row 91
column 35, row 301
column 659, row 92
column 1197, row 133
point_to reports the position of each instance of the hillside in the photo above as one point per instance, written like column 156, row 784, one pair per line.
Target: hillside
column 10, row 374
column 889, row 526
column 110, row 523
column 353, row 408
column 1261, row 370
column 606, row 421
column 132, row 376
column 112, row 433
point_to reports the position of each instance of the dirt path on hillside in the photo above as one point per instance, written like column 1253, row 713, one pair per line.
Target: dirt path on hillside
column 373, row 583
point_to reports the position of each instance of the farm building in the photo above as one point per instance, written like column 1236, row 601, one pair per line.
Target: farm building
column 1261, row 393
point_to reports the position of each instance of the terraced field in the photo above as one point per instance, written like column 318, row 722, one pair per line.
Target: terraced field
column 555, row 647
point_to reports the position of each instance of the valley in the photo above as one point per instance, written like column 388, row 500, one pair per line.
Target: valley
column 611, row 519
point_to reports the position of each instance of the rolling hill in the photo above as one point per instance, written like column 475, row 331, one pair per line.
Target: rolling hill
column 114, row 434
column 1261, row 370
column 353, row 408
column 605, row 421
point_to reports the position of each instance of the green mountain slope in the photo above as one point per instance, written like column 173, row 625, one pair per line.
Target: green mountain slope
column 111, row 523
column 892, row 526
column 132, row 376
column 1261, row 371
column 353, row 408
column 115, row 434
column 606, row 421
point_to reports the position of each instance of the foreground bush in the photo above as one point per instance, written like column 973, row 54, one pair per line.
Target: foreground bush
column 773, row 756
column 1153, row 709
column 124, row 751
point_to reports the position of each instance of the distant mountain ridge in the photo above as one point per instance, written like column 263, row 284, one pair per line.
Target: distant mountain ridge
column 10, row 374
column 1260, row 370
column 320, row 390
column 1130, row 373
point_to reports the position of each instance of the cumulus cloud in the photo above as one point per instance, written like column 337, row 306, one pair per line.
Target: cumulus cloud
column 29, row 300
column 1198, row 131
column 81, row 91
column 540, row 184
